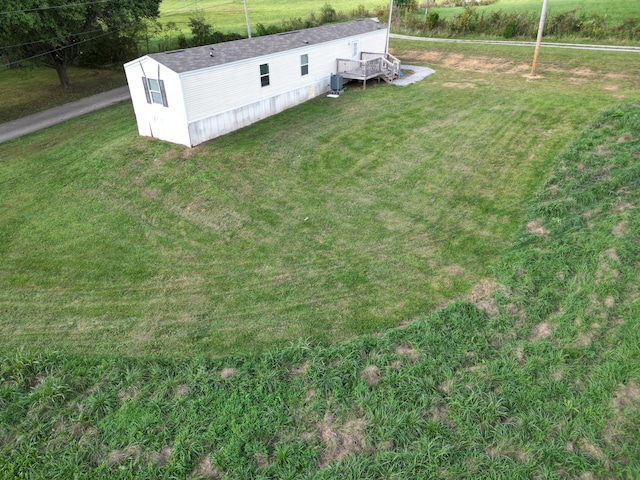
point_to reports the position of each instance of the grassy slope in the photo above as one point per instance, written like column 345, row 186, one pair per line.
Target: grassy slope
column 546, row 385
column 406, row 209
column 616, row 10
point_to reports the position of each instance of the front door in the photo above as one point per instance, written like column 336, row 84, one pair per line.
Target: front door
column 355, row 50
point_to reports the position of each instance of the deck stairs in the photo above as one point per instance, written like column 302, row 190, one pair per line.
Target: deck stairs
column 370, row 66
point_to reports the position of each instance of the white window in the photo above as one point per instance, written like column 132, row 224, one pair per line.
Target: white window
column 264, row 74
column 154, row 91
column 304, row 64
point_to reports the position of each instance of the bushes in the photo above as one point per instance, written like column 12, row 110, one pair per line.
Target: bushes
column 511, row 25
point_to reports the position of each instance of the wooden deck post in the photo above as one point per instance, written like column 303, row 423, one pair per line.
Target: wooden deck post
column 364, row 83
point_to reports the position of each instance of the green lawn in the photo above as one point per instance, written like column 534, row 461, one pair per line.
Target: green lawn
column 615, row 10
column 333, row 219
column 537, row 378
column 34, row 89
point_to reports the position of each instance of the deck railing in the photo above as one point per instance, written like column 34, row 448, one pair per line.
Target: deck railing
column 362, row 69
column 370, row 65
column 387, row 56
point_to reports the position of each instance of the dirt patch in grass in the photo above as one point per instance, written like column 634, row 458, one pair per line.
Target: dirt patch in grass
column 440, row 414
column 261, row 460
column 537, row 228
column 409, row 352
column 590, row 449
column 455, row 270
column 227, row 373
column 621, row 228
column 311, row 393
column 481, row 295
column 626, row 408
column 626, row 137
column 586, row 72
column 122, row 455
column 627, row 396
column 162, row 458
column 183, row 390
column 622, row 206
column 577, row 81
column 542, row 331
column 467, row 63
column 519, row 356
column 447, row 386
column 300, row 370
column 603, row 150
column 371, row 375
column 606, row 271
column 612, row 254
column 459, row 85
column 206, row 470
column 340, row 441
column 523, row 67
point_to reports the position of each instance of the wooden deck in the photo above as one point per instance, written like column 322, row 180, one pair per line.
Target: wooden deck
column 371, row 65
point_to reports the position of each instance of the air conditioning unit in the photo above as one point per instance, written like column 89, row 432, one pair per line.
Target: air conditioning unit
column 337, row 83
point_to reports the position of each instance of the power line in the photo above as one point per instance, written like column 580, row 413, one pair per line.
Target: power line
column 63, row 48
column 8, row 64
column 54, row 7
column 50, row 39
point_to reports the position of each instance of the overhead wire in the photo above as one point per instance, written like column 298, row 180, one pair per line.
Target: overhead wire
column 4, row 47
column 27, row 10
column 50, row 39
column 15, row 62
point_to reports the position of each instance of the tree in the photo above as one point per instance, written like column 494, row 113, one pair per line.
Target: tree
column 200, row 29
column 56, row 31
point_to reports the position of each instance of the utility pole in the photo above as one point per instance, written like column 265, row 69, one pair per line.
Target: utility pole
column 389, row 25
column 539, row 40
column 246, row 14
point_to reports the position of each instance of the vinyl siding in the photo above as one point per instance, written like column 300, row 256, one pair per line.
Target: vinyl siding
column 154, row 120
column 213, row 91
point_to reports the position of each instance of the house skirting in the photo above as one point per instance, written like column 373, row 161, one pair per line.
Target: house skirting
column 222, row 123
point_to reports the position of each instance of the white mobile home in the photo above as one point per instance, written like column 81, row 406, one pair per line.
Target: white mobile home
column 193, row 95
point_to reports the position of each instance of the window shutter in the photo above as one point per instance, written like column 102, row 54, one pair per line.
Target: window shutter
column 146, row 89
column 163, row 93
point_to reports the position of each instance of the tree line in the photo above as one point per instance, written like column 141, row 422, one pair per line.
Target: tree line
column 58, row 32
column 61, row 33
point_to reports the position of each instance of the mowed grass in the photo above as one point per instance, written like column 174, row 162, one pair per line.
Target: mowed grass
column 34, row 89
column 230, row 16
column 537, row 378
column 615, row 10
column 334, row 219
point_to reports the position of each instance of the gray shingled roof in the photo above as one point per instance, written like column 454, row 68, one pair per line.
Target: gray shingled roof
column 199, row 57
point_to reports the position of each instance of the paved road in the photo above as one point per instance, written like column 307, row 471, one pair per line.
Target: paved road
column 38, row 121
column 576, row 46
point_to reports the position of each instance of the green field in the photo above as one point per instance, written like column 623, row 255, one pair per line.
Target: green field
column 615, row 10
column 536, row 377
column 230, row 17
